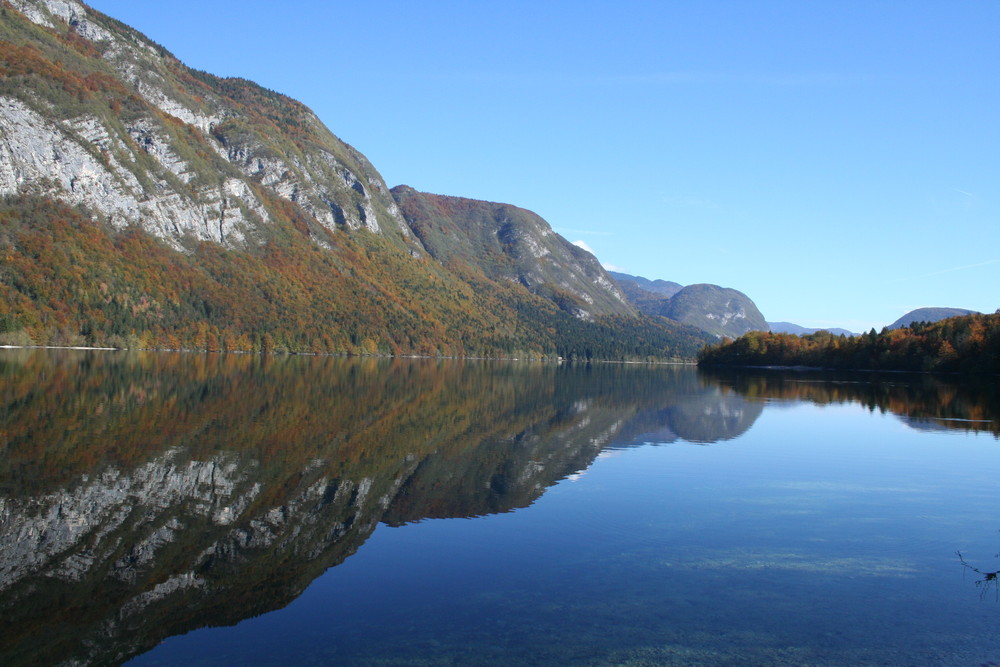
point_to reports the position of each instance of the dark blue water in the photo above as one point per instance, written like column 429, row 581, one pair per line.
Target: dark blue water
column 814, row 528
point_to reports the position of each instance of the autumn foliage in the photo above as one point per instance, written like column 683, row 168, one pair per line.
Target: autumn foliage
column 968, row 344
column 66, row 279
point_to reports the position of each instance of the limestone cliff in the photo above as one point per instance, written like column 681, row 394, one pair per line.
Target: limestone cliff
column 140, row 139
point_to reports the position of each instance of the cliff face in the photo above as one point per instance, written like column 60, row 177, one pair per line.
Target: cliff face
column 93, row 113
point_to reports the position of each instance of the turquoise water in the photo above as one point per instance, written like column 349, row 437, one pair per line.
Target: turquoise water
column 792, row 525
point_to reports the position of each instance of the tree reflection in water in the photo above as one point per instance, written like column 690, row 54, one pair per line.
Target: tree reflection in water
column 922, row 401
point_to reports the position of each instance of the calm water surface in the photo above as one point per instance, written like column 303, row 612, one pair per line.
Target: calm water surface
column 171, row 509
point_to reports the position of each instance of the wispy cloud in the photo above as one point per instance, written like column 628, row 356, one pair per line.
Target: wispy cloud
column 614, row 267
column 953, row 269
column 583, row 244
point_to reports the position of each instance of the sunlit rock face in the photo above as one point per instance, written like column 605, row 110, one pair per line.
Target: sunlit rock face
column 181, row 154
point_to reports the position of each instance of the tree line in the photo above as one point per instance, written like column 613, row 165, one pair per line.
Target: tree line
column 967, row 344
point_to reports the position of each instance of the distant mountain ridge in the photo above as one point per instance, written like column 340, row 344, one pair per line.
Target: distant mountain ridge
column 720, row 311
column 788, row 327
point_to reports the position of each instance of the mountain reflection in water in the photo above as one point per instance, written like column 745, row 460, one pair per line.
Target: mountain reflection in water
column 145, row 495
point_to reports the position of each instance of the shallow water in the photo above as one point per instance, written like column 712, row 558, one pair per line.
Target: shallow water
column 422, row 513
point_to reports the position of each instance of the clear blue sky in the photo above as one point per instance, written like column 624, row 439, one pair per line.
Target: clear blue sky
column 837, row 161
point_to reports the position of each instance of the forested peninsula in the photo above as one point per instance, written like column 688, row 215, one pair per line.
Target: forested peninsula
column 969, row 344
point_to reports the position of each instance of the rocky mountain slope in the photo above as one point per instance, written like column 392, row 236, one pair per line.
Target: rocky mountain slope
column 719, row 310
column 716, row 310
column 94, row 113
column 212, row 213
column 507, row 243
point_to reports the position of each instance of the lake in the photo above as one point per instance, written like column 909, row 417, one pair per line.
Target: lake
column 168, row 508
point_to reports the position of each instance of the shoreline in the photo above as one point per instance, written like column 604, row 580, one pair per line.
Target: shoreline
column 558, row 360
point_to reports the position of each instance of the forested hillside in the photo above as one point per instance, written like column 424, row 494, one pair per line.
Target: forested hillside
column 68, row 280
column 968, row 344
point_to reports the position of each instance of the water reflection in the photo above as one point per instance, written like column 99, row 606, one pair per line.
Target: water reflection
column 923, row 402
column 148, row 494
column 144, row 495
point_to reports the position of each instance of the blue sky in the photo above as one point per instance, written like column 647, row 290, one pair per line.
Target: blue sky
column 837, row 161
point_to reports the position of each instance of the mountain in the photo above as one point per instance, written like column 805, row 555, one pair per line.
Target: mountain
column 649, row 296
column 789, row 328
column 507, row 243
column 719, row 311
column 929, row 315
column 147, row 204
